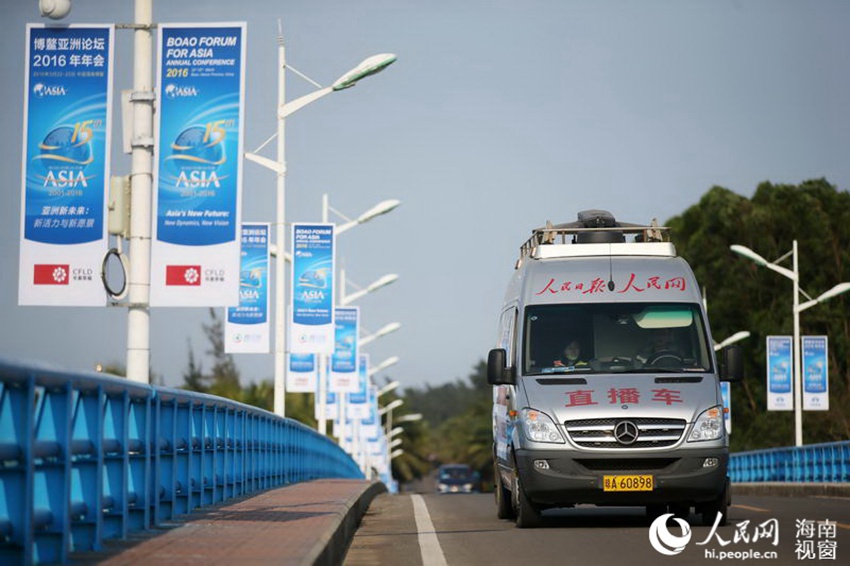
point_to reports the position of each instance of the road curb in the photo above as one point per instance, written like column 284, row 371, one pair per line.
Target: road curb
column 332, row 545
column 792, row 489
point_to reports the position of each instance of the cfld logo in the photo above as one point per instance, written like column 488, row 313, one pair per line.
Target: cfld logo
column 666, row 542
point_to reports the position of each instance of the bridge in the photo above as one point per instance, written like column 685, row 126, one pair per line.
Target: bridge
column 88, row 461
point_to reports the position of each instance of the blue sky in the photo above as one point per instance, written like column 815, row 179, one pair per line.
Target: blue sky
column 497, row 117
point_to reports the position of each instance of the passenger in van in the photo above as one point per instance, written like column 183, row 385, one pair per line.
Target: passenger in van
column 662, row 346
column 571, row 356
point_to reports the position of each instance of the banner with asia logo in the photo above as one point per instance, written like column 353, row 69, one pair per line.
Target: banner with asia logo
column 345, row 359
column 312, row 296
column 65, row 172
column 246, row 328
column 197, row 201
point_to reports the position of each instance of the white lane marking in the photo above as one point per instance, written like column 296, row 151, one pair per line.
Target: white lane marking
column 429, row 546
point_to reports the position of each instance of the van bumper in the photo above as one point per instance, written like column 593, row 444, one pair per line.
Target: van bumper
column 679, row 476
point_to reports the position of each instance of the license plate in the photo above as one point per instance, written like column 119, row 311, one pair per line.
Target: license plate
column 627, row 483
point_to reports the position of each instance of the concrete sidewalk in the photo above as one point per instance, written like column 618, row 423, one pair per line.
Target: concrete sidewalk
column 306, row 523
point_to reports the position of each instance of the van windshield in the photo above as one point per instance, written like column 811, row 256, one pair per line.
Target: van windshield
column 615, row 338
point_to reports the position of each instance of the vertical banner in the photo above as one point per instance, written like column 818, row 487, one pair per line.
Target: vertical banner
column 313, row 254
column 331, row 408
column 246, row 329
column 780, row 395
column 302, row 376
column 344, row 376
column 358, row 401
column 197, row 201
column 726, row 395
column 67, row 123
column 370, row 426
column 815, row 373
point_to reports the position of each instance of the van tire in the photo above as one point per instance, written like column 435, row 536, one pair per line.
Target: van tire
column 504, row 507
column 720, row 505
column 527, row 517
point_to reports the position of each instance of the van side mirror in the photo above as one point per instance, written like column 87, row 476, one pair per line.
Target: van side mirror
column 733, row 364
column 497, row 371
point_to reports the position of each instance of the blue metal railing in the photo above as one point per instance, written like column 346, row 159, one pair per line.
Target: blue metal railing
column 821, row 463
column 85, row 457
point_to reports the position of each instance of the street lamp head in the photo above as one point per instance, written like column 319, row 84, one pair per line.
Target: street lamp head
column 741, row 335
column 837, row 290
column 54, row 9
column 749, row 254
column 382, row 207
column 382, row 282
column 395, row 404
column 388, row 328
column 409, row 418
column 370, row 66
column 391, row 327
column 387, row 388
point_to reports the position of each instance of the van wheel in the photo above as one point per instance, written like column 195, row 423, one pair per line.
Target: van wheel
column 527, row 517
column 504, row 507
column 719, row 505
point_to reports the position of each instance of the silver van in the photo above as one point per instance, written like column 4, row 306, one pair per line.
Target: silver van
column 606, row 382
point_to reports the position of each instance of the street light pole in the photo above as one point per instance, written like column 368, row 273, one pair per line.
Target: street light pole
column 141, row 181
column 794, row 275
column 798, row 378
column 368, row 67
column 280, row 306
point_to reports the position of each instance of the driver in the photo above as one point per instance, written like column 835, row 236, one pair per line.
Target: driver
column 571, row 356
column 663, row 342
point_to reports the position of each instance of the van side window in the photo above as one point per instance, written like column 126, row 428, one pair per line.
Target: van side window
column 507, row 332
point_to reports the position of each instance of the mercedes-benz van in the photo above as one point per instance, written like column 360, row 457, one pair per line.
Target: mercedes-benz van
column 631, row 414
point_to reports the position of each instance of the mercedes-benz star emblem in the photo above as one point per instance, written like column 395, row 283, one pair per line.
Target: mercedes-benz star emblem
column 626, row 432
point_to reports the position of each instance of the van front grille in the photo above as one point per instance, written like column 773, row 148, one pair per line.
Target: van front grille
column 634, row 433
column 632, row 464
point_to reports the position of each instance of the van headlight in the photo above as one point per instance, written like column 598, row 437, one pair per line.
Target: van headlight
column 539, row 427
column 708, row 426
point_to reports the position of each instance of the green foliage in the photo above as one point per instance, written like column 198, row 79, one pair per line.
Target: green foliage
column 743, row 296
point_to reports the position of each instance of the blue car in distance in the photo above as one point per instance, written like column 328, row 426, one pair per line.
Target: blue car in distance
column 457, row 478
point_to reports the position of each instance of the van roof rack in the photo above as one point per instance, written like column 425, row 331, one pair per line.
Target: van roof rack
column 593, row 227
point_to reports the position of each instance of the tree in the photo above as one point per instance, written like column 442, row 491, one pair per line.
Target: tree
column 743, row 296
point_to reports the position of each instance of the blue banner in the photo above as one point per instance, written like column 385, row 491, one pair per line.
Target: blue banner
column 312, row 289
column 815, row 373
column 302, row 374
column 198, row 192
column 247, row 327
column 780, row 396
column 358, row 407
column 344, row 362
column 67, row 122
column 200, row 121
